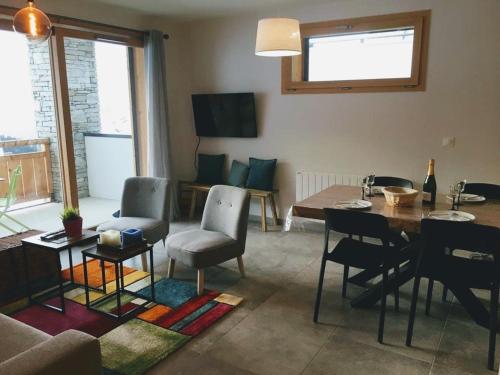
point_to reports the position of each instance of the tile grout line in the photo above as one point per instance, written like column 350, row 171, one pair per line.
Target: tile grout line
column 319, row 350
column 441, row 337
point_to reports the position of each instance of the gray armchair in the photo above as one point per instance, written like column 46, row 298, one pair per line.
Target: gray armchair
column 222, row 235
column 145, row 205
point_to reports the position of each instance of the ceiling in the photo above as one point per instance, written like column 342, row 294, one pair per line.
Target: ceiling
column 193, row 9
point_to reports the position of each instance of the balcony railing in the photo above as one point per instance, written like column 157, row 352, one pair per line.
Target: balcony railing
column 36, row 179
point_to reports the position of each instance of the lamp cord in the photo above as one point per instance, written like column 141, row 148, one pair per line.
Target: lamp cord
column 196, row 153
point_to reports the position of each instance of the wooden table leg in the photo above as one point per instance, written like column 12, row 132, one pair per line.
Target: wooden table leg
column 192, row 209
column 263, row 214
column 273, row 209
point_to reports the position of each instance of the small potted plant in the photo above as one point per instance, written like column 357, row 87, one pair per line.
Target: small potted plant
column 72, row 222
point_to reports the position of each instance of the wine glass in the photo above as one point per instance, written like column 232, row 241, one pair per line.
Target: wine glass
column 370, row 180
column 453, row 194
column 460, row 186
column 364, row 185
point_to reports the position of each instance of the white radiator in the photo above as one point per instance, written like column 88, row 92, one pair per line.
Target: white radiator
column 309, row 183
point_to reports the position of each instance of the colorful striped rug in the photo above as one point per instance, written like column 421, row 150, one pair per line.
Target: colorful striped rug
column 145, row 338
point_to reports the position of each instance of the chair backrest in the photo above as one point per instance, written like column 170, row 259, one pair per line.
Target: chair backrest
column 357, row 223
column 489, row 191
column 146, row 197
column 12, row 192
column 440, row 235
column 393, row 181
column 226, row 211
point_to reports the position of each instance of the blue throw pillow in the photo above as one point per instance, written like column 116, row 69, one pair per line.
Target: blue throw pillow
column 210, row 169
column 261, row 174
column 238, row 175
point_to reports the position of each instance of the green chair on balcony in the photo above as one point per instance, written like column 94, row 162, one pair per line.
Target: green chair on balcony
column 9, row 199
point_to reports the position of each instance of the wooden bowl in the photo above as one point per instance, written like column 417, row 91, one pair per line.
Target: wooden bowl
column 399, row 196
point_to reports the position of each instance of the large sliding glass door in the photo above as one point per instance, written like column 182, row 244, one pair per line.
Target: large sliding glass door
column 67, row 114
column 101, row 122
column 28, row 127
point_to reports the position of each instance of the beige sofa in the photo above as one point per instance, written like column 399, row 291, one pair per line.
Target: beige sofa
column 26, row 350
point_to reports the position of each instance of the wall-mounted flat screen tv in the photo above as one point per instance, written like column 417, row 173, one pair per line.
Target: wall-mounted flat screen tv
column 225, row 115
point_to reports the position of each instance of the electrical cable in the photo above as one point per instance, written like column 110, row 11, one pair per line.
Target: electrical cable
column 196, row 153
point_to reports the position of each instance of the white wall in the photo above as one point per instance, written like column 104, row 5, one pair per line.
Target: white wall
column 388, row 133
column 110, row 160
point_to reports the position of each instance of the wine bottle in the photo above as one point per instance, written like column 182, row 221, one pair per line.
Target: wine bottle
column 429, row 188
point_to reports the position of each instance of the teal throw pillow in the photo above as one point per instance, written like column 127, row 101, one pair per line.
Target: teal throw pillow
column 210, row 169
column 261, row 174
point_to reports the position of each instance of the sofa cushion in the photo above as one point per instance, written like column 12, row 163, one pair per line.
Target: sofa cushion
column 261, row 174
column 18, row 337
column 200, row 248
column 154, row 230
column 70, row 352
column 210, row 169
column 238, row 174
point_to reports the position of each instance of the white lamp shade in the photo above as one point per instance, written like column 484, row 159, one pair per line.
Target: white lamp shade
column 278, row 37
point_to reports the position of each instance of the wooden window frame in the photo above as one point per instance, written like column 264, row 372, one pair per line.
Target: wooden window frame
column 292, row 74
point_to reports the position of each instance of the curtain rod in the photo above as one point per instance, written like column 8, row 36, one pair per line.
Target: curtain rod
column 12, row 10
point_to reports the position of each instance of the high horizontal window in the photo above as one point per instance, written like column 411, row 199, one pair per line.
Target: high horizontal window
column 373, row 55
column 380, row 53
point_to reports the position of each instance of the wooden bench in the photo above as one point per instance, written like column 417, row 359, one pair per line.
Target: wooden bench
column 260, row 194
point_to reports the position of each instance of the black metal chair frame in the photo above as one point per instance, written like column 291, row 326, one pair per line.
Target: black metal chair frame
column 489, row 191
column 352, row 223
column 436, row 262
column 392, row 181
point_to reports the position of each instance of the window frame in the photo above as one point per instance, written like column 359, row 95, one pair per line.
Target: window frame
column 292, row 68
column 74, row 28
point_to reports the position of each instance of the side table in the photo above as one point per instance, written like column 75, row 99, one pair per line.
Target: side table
column 65, row 243
column 117, row 257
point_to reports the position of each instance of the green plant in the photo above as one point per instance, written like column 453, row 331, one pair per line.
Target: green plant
column 70, row 213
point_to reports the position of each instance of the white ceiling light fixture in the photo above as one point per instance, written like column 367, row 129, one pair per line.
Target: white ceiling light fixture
column 278, row 37
column 33, row 23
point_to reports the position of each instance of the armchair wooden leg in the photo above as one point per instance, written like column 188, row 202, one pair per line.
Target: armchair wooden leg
column 171, row 267
column 192, row 209
column 144, row 260
column 201, row 281
column 263, row 218
column 241, row 266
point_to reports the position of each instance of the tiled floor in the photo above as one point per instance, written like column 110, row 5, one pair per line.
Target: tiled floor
column 272, row 331
column 45, row 216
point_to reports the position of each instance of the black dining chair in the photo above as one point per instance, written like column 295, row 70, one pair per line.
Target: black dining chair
column 353, row 252
column 392, row 181
column 487, row 190
column 436, row 262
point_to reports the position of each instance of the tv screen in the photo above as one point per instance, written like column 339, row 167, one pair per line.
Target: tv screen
column 225, row 115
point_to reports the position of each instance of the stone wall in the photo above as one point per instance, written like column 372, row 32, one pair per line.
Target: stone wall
column 84, row 104
column 45, row 118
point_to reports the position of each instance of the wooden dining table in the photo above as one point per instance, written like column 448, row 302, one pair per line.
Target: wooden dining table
column 406, row 219
column 403, row 218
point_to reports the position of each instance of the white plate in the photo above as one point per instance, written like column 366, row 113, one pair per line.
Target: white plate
column 353, row 204
column 469, row 198
column 452, row 215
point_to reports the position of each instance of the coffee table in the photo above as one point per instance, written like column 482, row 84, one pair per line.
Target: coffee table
column 117, row 257
column 65, row 243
